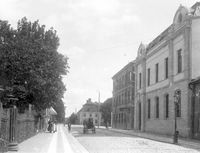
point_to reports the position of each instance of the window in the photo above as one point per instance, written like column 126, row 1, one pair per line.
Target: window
column 128, row 96
column 156, row 72
column 180, row 18
column 149, row 109
column 133, row 77
column 157, row 107
column 148, row 77
column 133, row 93
column 140, row 80
column 130, row 76
column 122, row 101
column 125, row 97
column 178, row 106
column 166, row 106
column 90, row 115
column 84, row 115
column 166, row 68
column 179, row 60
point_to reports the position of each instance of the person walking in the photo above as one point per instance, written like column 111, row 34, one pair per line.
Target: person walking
column 50, row 126
column 69, row 127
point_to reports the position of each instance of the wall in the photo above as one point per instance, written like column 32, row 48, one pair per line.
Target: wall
column 94, row 115
column 158, row 57
column 195, row 47
column 178, row 43
column 166, row 125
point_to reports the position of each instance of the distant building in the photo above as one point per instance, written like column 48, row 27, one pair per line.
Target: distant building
column 164, row 67
column 123, row 97
column 90, row 110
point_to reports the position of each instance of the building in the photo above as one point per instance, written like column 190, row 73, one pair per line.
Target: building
column 195, row 116
column 165, row 68
column 90, row 110
column 123, row 97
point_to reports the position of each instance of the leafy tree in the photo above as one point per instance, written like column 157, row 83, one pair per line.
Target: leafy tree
column 30, row 61
column 106, row 109
column 60, row 109
column 73, row 118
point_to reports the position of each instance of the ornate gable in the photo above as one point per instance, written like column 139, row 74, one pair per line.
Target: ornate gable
column 180, row 15
column 141, row 50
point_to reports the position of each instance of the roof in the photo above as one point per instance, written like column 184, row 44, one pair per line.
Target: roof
column 124, row 68
column 52, row 111
column 158, row 39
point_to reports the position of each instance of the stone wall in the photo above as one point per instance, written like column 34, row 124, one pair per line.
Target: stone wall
column 25, row 127
column 4, row 129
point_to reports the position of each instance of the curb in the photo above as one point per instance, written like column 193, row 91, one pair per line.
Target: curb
column 183, row 143
column 74, row 144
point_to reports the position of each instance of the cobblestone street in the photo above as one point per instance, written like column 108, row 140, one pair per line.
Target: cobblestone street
column 107, row 141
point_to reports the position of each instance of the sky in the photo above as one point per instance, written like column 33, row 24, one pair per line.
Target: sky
column 98, row 36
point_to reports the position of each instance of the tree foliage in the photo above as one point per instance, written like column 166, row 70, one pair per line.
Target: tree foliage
column 73, row 119
column 106, row 109
column 30, row 61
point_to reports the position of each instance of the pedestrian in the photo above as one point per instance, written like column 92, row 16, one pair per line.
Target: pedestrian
column 69, row 126
column 50, row 126
column 55, row 126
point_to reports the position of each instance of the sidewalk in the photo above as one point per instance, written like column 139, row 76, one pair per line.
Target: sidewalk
column 188, row 143
column 45, row 142
column 75, row 145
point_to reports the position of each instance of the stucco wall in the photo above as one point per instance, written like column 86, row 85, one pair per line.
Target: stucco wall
column 164, row 125
column 159, row 58
column 178, row 43
column 139, row 70
column 87, row 115
column 195, row 48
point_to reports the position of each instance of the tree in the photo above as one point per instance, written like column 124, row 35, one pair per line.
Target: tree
column 106, row 109
column 30, row 61
column 60, row 109
column 73, row 118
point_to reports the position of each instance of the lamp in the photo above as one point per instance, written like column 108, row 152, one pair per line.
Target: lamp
column 176, row 103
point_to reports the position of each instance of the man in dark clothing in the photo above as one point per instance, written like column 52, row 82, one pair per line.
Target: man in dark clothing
column 69, row 126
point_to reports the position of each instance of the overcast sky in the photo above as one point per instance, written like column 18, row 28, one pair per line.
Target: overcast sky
column 98, row 36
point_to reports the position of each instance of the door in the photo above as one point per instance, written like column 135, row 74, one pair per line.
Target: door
column 196, row 113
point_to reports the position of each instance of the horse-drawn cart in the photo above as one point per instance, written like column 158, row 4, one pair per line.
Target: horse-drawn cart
column 88, row 125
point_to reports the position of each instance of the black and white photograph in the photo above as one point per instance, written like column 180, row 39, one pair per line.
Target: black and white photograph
column 99, row 76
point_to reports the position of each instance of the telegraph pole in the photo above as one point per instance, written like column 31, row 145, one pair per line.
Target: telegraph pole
column 98, row 109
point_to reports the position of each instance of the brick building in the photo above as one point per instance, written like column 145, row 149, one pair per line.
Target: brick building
column 123, row 98
column 165, row 66
column 90, row 110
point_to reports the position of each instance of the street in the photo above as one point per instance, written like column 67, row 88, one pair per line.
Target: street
column 107, row 141
column 103, row 141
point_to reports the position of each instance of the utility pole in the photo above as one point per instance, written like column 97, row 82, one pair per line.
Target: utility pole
column 98, row 109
